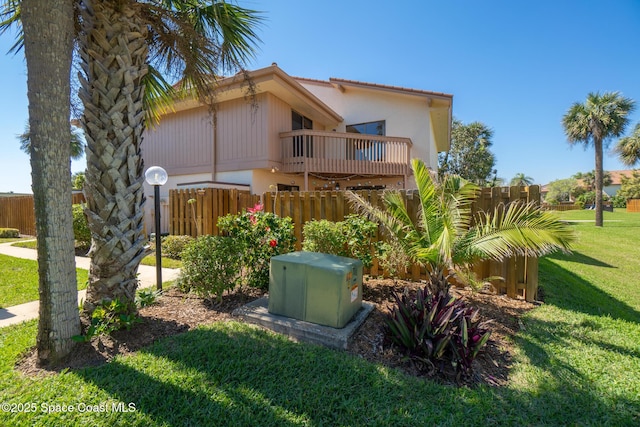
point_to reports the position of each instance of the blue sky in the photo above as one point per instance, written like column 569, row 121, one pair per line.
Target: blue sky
column 516, row 66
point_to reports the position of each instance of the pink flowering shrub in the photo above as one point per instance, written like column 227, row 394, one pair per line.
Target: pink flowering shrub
column 261, row 236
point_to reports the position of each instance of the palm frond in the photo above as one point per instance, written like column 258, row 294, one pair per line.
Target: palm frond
column 395, row 228
column 628, row 148
column 10, row 17
column 158, row 95
column 519, row 229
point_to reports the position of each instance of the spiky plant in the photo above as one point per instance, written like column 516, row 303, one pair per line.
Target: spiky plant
column 446, row 237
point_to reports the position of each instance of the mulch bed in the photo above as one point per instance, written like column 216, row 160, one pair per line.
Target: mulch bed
column 177, row 312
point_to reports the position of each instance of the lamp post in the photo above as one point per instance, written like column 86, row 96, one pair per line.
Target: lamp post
column 157, row 176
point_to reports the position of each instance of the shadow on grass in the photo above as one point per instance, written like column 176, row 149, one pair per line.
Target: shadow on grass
column 580, row 258
column 234, row 374
column 568, row 291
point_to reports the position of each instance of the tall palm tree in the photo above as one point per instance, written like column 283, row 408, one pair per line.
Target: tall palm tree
column 601, row 117
column 521, row 179
column 47, row 32
column 129, row 50
column 445, row 235
column 126, row 48
column 628, row 148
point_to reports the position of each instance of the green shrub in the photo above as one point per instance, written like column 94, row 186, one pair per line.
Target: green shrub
column 81, row 232
column 211, row 265
column 351, row 238
column 147, row 297
column 261, row 235
column 9, row 233
column 108, row 317
column 324, row 236
column 619, row 201
column 437, row 330
column 172, row 246
column 392, row 258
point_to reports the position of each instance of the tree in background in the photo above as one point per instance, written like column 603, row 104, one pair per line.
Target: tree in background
column 589, row 179
column 46, row 33
column 628, row 148
column 595, row 122
column 77, row 181
column 562, row 190
column 630, row 188
column 469, row 155
column 521, row 179
column 77, row 143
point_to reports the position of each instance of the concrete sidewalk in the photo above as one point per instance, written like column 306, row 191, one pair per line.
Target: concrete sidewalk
column 29, row 310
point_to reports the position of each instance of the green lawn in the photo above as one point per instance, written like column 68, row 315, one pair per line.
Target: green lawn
column 166, row 262
column 577, row 363
column 8, row 239
column 19, row 280
column 148, row 260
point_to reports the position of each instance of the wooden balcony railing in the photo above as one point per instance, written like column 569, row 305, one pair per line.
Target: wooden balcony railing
column 344, row 153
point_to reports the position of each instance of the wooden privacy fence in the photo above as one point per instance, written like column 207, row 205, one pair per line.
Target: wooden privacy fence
column 633, row 205
column 18, row 212
column 200, row 216
column 562, row 207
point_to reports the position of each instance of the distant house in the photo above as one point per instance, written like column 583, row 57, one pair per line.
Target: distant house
column 616, row 181
column 300, row 134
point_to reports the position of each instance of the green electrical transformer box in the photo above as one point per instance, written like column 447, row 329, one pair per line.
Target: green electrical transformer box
column 314, row 287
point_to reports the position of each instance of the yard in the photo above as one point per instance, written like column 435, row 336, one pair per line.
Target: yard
column 575, row 361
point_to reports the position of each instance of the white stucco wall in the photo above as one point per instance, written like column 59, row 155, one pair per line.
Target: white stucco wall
column 405, row 115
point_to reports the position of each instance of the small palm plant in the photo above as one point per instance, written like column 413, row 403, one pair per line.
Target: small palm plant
column 446, row 237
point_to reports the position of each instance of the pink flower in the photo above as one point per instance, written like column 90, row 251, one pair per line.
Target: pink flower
column 268, row 229
column 253, row 219
column 273, row 243
column 257, row 208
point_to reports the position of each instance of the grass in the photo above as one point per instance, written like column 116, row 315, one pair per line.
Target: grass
column 166, row 262
column 577, row 363
column 19, row 280
column 29, row 244
column 8, row 239
column 148, row 260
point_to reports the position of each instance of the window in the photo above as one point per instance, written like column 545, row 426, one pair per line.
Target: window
column 302, row 145
column 284, row 187
column 366, row 149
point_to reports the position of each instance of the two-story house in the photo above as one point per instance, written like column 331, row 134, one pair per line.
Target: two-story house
column 299, row 134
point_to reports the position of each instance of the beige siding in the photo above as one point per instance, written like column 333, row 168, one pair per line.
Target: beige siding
column 181, row 143
column 279, row 121
column 242, row 135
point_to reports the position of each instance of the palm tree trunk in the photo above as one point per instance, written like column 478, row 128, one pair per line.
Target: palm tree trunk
column 113, row 55
column 48, row 31
column 597, row 142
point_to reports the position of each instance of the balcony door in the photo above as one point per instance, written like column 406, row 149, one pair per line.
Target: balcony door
column 368, row 149
column 303, row 144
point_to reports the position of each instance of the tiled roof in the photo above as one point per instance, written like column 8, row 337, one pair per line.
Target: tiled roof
column 617, row 175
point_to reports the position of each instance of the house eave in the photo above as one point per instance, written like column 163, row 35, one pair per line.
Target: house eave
column 269, row 80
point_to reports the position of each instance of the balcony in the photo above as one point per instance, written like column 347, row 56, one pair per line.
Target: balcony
column 334, row 153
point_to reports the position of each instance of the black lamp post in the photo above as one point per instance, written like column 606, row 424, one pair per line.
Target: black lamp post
column 157, row 176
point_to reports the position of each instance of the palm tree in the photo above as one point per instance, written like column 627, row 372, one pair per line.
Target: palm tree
column 628, row 148
column 589, row 179
column 521, row 179
column 600, row 118
column 126, row 48
column 445, row 235
column 76, row 142
column 47, row 31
